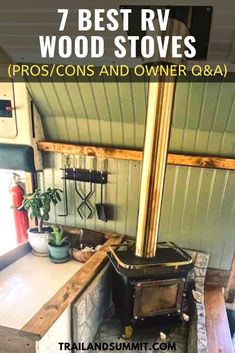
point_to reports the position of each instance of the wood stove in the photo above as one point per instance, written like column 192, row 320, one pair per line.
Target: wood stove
column 149, row 290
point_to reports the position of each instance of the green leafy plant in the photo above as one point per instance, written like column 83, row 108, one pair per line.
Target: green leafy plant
column 57, row 237
column 38, row 204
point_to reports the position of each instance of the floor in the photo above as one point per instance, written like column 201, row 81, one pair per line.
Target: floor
column 110, row 331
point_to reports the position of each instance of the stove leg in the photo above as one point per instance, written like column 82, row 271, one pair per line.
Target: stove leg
column 127, row 332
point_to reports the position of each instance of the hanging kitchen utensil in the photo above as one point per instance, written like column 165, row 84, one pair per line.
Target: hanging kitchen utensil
column 65, row 164
column 101, row 208
column 84, row 202
column 78, row 192
column 85, row 199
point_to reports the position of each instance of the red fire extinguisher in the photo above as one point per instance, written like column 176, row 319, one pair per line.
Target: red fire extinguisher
column 20, row 216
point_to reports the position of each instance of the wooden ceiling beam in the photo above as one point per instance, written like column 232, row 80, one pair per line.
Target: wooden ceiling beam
column 136, row 155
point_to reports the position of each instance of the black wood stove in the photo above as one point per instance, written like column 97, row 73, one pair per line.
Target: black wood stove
column 149, row 289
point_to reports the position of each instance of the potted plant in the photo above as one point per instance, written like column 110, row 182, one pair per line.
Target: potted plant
column 59, row 246
column 38, row 205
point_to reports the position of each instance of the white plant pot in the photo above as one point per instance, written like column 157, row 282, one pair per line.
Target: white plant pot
column 39, row 241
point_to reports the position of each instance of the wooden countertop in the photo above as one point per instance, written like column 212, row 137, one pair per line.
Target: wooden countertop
column 34, row 292
column 27, row 284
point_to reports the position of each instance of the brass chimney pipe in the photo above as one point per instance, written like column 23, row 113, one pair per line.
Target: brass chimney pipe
column 157, row 131
column 159, row 112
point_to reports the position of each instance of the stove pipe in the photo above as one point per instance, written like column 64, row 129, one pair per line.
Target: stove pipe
column 157, row 131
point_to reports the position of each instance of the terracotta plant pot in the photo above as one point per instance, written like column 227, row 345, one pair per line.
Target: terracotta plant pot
column 39, row 241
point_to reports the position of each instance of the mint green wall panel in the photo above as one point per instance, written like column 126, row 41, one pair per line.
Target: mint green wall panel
column 198, row 209
column 114, row 114
column 121, row 194
column 204, row 106
column 99, row 97
column 202, row 142
column 127, row 114
column 195, row 105
column 181, row 105
column 94, row 113
column 139, row 90
column 199, row 204
column 225, row 103
column 210, row 98
column 231, row 119
column 116, row 127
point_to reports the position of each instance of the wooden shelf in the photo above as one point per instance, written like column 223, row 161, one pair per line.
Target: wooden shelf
column 202, row 161
column 93, row 151
column 136, row 155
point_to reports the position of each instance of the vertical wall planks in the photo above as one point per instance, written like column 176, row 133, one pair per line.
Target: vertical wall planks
column 127, row 114
column 219, row 224
column 111, row 95
column 91, row 112
column 180, row 106
column 139, row 111
column 80, row 112
column 122, row 195
column 99, row 98
column 227, row 248
column 206, row 217
column 198, row 205
column 134, row 176
column 114, row 114
column 111, row 194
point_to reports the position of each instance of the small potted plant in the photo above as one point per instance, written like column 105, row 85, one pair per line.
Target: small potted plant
column 59, row 246
column 38, row 205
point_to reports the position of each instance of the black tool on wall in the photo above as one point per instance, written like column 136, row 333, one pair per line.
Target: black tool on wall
column 86, row 176
column 90, row 176
column 65, row 165
column 101, row 208
column 85, row 198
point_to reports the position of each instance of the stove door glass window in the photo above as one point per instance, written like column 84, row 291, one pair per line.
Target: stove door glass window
column 158, row 297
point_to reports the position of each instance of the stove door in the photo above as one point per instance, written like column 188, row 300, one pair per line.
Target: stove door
column 159, row 297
